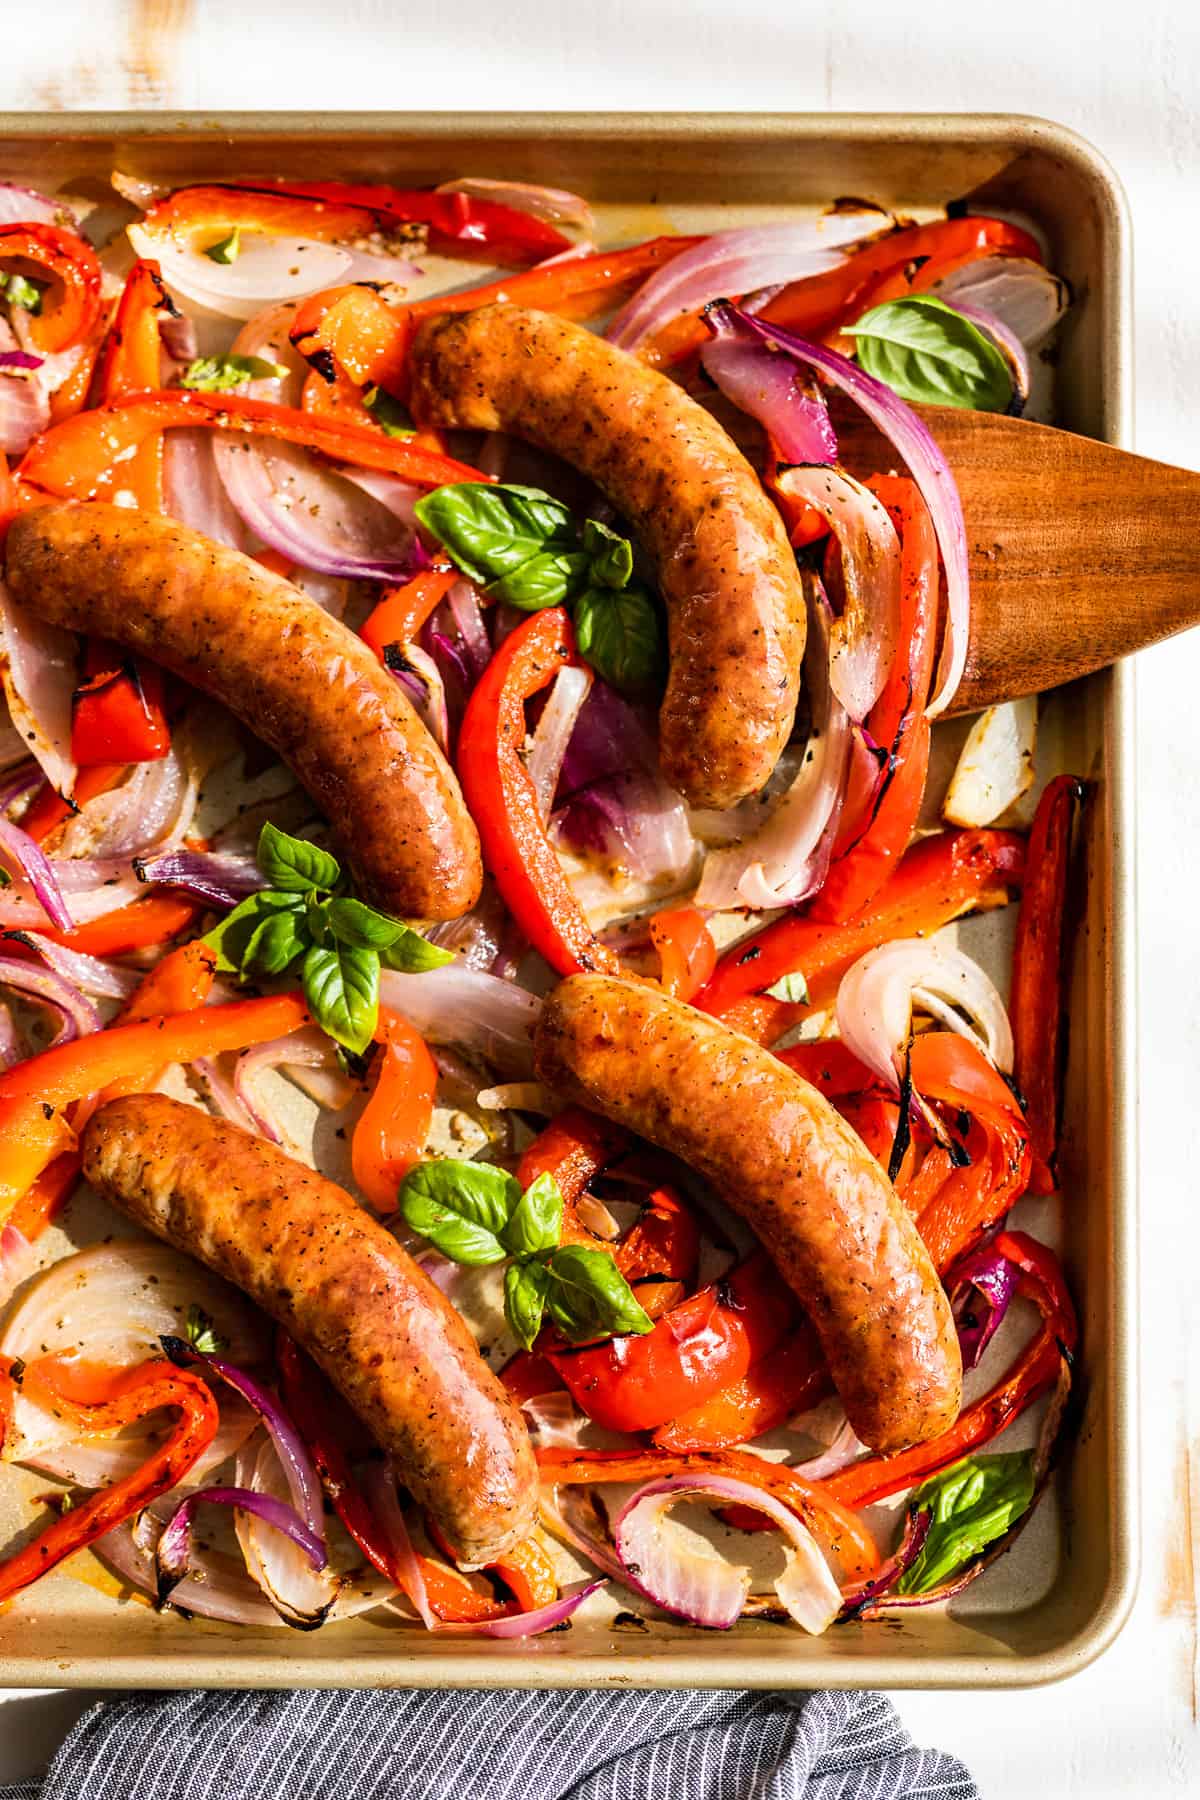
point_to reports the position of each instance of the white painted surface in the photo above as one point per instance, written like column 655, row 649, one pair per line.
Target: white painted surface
column 1128, row 77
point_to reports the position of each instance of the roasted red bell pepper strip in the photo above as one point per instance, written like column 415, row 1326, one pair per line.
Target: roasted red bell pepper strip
column 348, row 209
column 1036, row 1369
column 827, row 1517
column 787, row 1380
column 709, row 1340
column 663, row 1243
column 897, row 721
column 355, row 331
column 71, row 266
column 686, row 951
column 131, row 363
column 403, row 610
column 1036, row 1004
column 134, row 1394
column 573, row 1148
column 118, row 714
column 503, row 801
column 394, row 1124
column 528, row 1573
column 142, row 925
column 73, row 459
column 938, row 879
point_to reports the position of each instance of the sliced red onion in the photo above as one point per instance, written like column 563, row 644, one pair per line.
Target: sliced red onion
column 613, row 796
column 79, row 1016
column 24, row 412
column 475, row 938
column 12, row 1050
column 1024, row 296
column 38, row 668
column 221, row 878
column 788, row 857
column 153, row 806
column 175, row 1543
column 421, row 680
column 467, row 613
column 217, row 1590
column 877, row 994
column 841, row 1451
column 16, row 782
column 980, row 1287
column 195, row 493
column 767, row 385
column 466, row 1007
column 268, row 269
column 736, row 262
column 916, row 1530
column 929, row 469
column 529, row 1624
column 220, row 1092
column 702, row 1588
column 1007, row 342
column 28, row 859
column 554, row 204
column 299, row 1048
column 19, row 359
column 26, row 206
column 553, row 733
column 90, row 974
column 380, row 1491
column 18, row 1260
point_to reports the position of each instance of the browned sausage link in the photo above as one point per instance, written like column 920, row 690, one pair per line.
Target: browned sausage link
column 300, row 1247
column 301, row 681
column 780, row 1155
column 722, row 559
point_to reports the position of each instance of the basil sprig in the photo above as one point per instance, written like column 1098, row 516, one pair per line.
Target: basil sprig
column 477, row 1214
column 226, row 250
column 973, row 1503
column 521, row 545
column 305, row 920
column 217, row 374
column 927, row 352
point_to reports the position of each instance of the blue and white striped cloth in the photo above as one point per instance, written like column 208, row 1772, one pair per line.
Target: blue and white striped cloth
column 539, row 1745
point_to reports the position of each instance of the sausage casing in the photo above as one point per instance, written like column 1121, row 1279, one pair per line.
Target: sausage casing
column 328, row 1272
column 301, row 680
column 780, row 1155
column 724, row 566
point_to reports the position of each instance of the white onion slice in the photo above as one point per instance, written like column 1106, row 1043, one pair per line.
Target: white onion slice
column 519, row 1096
column 1023, row 295
column 18, row 1260
column 24, row 411
column 267, row 269
column 310, row 513
column 477, row 1011
column 91, row 974
column 698, row 1585
column 996, row 765
column 194, row 492
column 26, row 206
column 301, row 1594
column 876, row 998
column 94, row 1462
column 38, row 666
column 553, row 733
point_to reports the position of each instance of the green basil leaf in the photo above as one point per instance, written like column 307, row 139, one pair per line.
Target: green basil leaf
column 294, row 866
column 546, row 579
column 389, row 412
column 231, row 938
column 611, row 554
column 228, row 249
column 619, row 634
column 525, row 1286
column 587, row 1296
column 790, row 987
column 201, row 1333
column 353, row 922
column 341, row 986
column 18, row 290
column 973, row 1503
column 925, row 351
column 413, row 954
column 536, row 1221
column 461, row 1207
column 216, row 374
column 277, row 941
column 489, row 530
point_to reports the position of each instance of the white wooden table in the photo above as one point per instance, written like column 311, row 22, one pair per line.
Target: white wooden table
column 1128, row 76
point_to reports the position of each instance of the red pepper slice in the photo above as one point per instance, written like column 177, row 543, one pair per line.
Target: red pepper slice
column 73, row 459
column 131, row 363
column 118, row 714
column 1036, row 1005
column 709, row 1340
column 503, row 802
column 790, row 1378
column 403, row 610
column 686, row 950
column 897, row 721
column 394, row 1124
column 142, row 925
column 1035, row 1370
column 937, row 880
column 132, row 1393
column 71, row 266
column 354, row 330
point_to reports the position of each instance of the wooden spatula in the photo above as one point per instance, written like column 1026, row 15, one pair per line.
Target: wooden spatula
column 1080, row 553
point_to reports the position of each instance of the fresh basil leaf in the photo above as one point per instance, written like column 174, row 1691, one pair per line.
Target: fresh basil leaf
column 201, row 1333
column 461, row 1207
column 353, row 922
column 216, row 374
column 277, row 941
column 228, row 249
column 546, row 579
column 389, row 412
column 587, row 1296
column 293, row 865
column 790, row 987
column 341, row 986
column 525, row 1286
column 231, row 938
column 619, row 635
column 611, row 556
column 536, row 1221
column 973, row 1503
column 925, row 351
column 490, row 530
column 18, row 290
column 413, row 954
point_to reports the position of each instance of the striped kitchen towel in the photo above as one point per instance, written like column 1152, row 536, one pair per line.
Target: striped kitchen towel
column 460, row 1745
